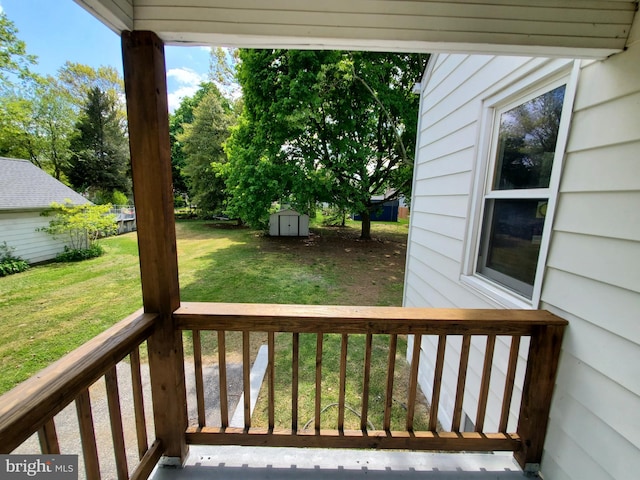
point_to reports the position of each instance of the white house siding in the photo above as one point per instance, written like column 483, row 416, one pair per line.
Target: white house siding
column 592, row 277
column 18, row 229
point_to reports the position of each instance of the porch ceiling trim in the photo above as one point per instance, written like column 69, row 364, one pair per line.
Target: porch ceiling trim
column 579, row 28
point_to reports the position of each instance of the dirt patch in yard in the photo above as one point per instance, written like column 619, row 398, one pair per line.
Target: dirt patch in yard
column 371, row 271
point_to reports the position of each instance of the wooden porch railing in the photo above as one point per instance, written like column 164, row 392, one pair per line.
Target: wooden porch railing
column 543, row 329
column 32, row 405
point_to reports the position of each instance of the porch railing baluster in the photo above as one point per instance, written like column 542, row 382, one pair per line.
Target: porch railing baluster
column 115, row 417
column 49, row 439
column 87, row 435
column 318, row 404
column 462, row 379
column 222, row 376
column 437, row 383
column 391, row 366
column 197, row 365
column 484, row 385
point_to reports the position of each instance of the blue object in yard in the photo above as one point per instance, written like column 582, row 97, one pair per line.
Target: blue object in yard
column 386, row 212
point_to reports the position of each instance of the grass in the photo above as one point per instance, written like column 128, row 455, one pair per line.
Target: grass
column 52, row 309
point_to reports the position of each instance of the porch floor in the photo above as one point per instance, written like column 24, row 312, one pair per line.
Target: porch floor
column 248, row 463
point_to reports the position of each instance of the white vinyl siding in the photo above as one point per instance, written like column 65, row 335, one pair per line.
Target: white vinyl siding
column 593, row 279
column 504, row 26
column 18, row 229
column 591, row 275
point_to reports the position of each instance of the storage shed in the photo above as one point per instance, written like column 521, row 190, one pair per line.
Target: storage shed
column 289, row 223
column 25, row 192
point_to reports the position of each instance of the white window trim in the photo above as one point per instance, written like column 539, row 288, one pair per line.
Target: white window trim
column 545, row 79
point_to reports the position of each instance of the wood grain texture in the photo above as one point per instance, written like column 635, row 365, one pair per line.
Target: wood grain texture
column 148, row 462
column 484, row 384
column 462, row 380
column 49, row 438
column 318, row 399
column 87, row 436
column 115, row 420
column 148, row 123
column 539, row 380
column 222, row 375
column 413, row 381
column 391, row 368
column 197, row 362
column 344, row 345
column 366, row 377
column 28, row 406
column 138, row 403
column 347, row 319
column 509, row 383
column 468, row 441
column 437, row 383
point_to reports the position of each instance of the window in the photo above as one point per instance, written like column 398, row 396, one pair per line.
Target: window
column 523, row 157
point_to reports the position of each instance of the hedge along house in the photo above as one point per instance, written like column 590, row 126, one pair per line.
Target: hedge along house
column 26, row 192
column 593, row 30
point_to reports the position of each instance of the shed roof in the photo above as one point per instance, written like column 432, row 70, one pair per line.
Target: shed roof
column 24, row 186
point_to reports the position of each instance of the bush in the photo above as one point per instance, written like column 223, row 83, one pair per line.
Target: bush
column 9, row 263
column 79, row 254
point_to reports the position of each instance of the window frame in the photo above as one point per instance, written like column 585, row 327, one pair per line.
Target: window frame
column 546, row 79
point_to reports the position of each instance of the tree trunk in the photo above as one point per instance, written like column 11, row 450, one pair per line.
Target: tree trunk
column 365, row 233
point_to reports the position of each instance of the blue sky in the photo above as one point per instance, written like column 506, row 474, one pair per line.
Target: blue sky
column 60, row 30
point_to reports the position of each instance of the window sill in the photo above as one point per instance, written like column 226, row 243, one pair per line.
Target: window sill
column 497, row 294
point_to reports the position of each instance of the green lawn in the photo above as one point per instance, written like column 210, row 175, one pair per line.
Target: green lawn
column 49, row 310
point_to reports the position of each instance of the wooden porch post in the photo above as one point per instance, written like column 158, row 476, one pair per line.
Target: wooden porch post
column 539, row 381
column 147, row 109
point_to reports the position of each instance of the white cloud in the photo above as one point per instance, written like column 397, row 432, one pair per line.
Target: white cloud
column 186, row 76
column 188, row 83
column 174, row 98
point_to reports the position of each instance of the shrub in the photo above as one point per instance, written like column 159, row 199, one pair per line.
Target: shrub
column 80, row 225
column 9, row 263
column 79, row 254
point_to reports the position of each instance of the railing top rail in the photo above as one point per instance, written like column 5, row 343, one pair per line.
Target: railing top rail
column 28, row 406
column 348, row 319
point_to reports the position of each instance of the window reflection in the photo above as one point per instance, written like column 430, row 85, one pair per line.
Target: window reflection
column 527, row 142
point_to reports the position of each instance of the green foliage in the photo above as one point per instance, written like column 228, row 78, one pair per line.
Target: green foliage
column 100, row 149
column 202, row 143
column 79, row 254
column 322, row 126
column 78, row 80
column 10, row 263
column 115, row 197
column 80, row 225
column 14, row 60
column 177, row 121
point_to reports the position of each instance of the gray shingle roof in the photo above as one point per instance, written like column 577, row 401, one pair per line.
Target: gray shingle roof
column 25, row 186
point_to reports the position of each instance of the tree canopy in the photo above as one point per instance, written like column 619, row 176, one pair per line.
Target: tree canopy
column 201, row 146
column 100, row 158
column 322, row 126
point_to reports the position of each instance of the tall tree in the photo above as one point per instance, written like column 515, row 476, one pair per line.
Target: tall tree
column 202, row 142
column 332, row 126
column 99, row 160
column 182, row 116
column 78, row 80
column 14, row 59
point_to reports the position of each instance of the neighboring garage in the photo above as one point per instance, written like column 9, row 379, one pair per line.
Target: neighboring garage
column 288, row 223
column 25, row 192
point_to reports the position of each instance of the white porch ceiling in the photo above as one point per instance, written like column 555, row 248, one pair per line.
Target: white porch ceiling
column 577, row 28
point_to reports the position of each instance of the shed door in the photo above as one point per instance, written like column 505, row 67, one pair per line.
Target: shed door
column 289, row 225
